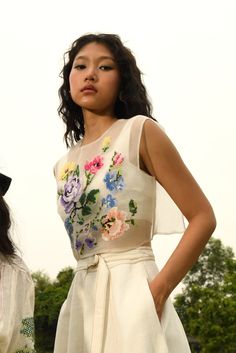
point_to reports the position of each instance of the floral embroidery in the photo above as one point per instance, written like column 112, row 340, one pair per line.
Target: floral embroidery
column 94, row 165
column 79, row 203
column 114, row 181
column 72, row 193
column 106, row 143
column 28, row 327
column 27, row 330
column 67, row 169
column 114, row 224
column 109, row 201
column 117, row 159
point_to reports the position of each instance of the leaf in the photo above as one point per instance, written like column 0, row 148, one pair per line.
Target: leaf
column 77, row 171
column 86, row 210
column 133, row 207
column 92, row 196
column 82, row 198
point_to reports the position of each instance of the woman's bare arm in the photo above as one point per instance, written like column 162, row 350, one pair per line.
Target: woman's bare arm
column 160, row 158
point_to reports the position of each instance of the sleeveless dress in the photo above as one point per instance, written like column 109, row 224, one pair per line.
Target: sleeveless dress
column 111, row 209
column 16, row 307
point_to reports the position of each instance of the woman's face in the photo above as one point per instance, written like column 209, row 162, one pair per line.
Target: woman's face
column 95, row 79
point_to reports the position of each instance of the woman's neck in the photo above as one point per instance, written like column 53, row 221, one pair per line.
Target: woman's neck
column 95, row 125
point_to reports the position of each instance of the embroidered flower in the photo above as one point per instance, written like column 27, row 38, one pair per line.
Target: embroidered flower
column 71, row 193
column 114, row 224
column 117, row 159
column 94, row 165
column 27, row 330
column 90, row 242
column 106, row 143
column 109, row 201
column 114, row 181
column 68, row 168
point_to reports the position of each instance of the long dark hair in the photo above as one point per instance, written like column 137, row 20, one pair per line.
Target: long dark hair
column 132, row 99
column 6, row 245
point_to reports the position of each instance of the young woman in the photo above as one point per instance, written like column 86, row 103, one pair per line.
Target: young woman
column 16, row 289
column 113, row 187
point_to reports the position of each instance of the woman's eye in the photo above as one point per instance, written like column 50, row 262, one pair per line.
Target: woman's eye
column 105, row 67
column 80, row 67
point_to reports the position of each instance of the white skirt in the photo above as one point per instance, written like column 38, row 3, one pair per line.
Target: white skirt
column 110, row 308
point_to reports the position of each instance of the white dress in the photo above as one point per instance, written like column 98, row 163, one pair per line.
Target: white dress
column 111, row 209
column 16, row 307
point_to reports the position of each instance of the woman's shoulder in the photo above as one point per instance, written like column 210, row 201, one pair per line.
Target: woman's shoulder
column 61, row 160
column 14, row 263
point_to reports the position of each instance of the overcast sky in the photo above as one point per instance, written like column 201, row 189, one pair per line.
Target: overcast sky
column 186, row 50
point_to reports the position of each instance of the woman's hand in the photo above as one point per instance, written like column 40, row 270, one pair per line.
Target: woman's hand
column 160, row 292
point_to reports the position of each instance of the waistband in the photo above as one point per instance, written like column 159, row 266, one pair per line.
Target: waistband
column 142, row 253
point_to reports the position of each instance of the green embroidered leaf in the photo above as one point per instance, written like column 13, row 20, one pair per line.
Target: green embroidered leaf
column 82, row 198
column 27, row 328
column 92, row 196
column 82, row 250
column 133, row 207
column 60, row 193
column 77, row 171
column 86, row 210
column 132, row 221
column 80, row 220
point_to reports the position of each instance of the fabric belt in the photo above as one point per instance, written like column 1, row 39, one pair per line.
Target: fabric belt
column 104, row 262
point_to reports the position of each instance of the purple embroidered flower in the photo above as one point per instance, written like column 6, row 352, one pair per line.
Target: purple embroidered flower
column 114, row 181
column 78, row 244
column 90, row 242
column 69, row 227
column 71, row 193
column 109, row 201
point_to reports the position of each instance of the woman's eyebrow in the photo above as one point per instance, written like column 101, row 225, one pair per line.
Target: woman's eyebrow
column 99, row 58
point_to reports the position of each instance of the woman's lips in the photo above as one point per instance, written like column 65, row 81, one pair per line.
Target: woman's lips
column 89, row 89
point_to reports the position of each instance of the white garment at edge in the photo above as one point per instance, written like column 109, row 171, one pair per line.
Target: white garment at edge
column 16, row 307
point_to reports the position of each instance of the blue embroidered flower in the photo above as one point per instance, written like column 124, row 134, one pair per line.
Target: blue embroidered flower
column 69, row 227
column 114, row 181
column 90, row 242
column 109, row 201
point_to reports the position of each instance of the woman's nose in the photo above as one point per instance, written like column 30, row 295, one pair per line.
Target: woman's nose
column 91, row 74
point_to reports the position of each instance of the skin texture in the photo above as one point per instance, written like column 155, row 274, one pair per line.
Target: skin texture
column 158, row 156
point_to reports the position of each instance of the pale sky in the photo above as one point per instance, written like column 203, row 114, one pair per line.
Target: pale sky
column 187, row 52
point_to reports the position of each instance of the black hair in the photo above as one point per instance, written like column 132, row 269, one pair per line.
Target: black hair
column 7, row 247
column 132, row 99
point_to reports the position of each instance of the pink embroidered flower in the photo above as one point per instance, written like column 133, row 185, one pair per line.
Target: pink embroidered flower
column 114, row 224
column 118, row 159
column 94, row 165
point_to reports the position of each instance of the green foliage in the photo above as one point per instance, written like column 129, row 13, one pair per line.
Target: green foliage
column 49, row 297
column 207, row 305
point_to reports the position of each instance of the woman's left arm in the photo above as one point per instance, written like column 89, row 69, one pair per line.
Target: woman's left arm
column 160, row 159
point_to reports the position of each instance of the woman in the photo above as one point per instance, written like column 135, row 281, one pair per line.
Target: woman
column 119, row 160
column 16, row 289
